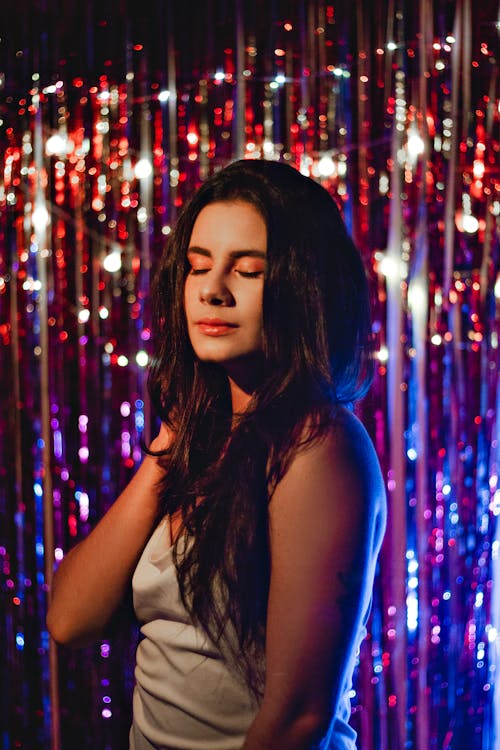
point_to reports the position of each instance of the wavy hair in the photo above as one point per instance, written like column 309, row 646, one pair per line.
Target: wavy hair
column 316, row 341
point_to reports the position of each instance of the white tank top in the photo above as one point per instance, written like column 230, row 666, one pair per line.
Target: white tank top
column 187, row 695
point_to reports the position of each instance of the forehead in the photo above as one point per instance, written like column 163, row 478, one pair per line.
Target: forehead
column 229, row 226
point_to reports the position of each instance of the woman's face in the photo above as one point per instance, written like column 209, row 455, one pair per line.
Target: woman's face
column 224, row 287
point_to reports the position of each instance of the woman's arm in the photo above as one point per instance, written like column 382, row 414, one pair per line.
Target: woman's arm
column 92, row 579
column 326, row 518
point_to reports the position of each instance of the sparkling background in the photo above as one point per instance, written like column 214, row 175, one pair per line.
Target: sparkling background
column 111, row 114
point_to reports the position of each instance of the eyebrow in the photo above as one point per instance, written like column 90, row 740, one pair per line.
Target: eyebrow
column 234, row 254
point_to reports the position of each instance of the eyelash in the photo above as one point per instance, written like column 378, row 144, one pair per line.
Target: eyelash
column 245, row 274
column 250, row 274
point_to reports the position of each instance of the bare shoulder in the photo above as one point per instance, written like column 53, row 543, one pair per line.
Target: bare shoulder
column 336, row 479
column 348, row 447
column 345, row 449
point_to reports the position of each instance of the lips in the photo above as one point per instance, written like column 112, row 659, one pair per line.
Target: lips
column 215, row 326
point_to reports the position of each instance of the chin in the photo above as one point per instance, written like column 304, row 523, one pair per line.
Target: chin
column 245, row 367
column 220, row 354
column 221, row 359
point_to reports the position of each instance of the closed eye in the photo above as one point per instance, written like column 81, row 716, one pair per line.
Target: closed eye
column 250, row 274
column 244, row 274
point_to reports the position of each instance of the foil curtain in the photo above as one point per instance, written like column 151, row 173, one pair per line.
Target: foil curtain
column 110, row 114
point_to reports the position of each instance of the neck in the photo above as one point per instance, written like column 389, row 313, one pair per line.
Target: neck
column 244, row 377
column 240, row 397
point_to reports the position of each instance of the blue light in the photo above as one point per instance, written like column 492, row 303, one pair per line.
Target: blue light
column 412, row 566
column 44, row 637
column 412, row 611
column 19, row 641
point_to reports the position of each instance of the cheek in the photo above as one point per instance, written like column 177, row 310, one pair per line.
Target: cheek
column 188, row 293
column 259, row 306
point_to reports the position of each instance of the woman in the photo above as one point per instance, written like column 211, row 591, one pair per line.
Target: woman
column 254, row 522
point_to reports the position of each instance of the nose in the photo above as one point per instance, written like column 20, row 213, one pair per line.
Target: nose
column 214, row 290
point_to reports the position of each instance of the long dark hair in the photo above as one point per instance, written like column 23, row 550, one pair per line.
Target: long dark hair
column 317, row 355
